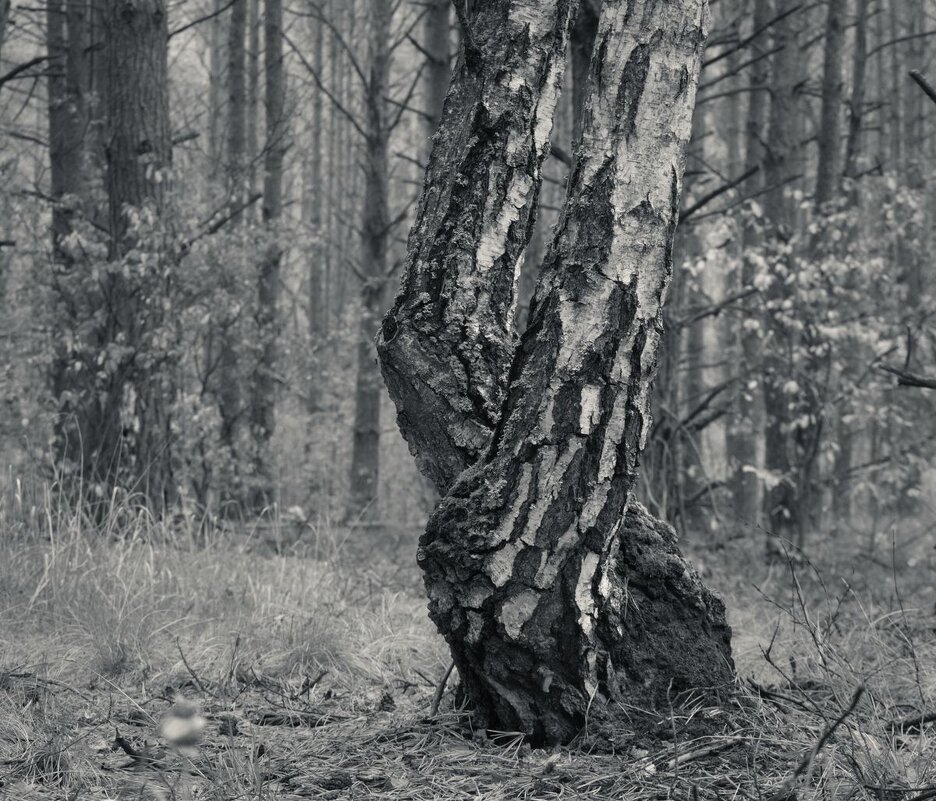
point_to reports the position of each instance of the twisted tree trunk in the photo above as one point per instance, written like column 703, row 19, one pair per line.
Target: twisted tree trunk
column 557, row 595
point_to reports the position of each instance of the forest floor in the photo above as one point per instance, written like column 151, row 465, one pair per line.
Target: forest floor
column 315, row 670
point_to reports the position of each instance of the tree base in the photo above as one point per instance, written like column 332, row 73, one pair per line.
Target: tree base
column 631, row 627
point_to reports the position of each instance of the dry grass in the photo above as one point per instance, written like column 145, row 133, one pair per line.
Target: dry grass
column 315, row 674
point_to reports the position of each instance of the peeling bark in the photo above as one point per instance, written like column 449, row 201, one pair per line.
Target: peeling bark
column 558, row 596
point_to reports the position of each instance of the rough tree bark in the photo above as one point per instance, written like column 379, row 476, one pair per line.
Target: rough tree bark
column 263, row 387
column 781, row 167
column 557, row 595
column 75, row 427
column 745, row 487
column 139, row 155
column 828, row 170
column 435, row 44
column 583, row 39
column 375, row 233
column 227, row 386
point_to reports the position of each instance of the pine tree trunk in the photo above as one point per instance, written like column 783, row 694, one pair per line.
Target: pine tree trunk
column 252, row 57
column 438, row 66
column 583, row 40
column 72, row 388
column 312, row 192
column 745, row 487
column 830, row 135
column 227, row 386
column 263, row 386
column 137, row 123
column 375, row 234
column 781, row 167
column 557, row 596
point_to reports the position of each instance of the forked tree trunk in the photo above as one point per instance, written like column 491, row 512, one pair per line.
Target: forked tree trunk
column 557, row 595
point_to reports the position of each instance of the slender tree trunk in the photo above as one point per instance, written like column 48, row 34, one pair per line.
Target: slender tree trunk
column 828, row 171
column 375, row 232
column 555, row 598
column 253, row 97
column 216, row 79
column 4, row 18
column 583, row 41
column 438, row 61
column 137, row 122
column 781, row 166
column 263, row 386
column 72, row 386
column 745, row 486
column 312, row 214
column 227, row 387
column 859, row 77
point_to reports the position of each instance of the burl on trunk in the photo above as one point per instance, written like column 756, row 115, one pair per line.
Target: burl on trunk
column 558, row 595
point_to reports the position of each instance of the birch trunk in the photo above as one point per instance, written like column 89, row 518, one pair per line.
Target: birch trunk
column 557, row 598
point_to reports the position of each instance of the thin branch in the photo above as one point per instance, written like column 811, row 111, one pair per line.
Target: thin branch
column 718, row 192
column 327, row 92
column 784, row 792
column 11, row 74
column 200, row 20
column 741, row 44
column 925, row 85
column 217, row 226
column 898, row 40
column 352, row 56
column 907, row 379
column 744, row 65
column 404, row 104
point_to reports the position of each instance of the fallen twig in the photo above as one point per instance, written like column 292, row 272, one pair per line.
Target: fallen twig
column 440, row 690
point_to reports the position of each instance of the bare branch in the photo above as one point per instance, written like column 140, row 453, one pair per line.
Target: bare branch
column 324, row 89
column 212, row 15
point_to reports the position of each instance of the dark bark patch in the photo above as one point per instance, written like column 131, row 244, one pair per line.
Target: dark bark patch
column 631, row 88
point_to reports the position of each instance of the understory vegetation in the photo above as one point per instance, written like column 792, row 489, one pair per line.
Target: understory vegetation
column 315, row 673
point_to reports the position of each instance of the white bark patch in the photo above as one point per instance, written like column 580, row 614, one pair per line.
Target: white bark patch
column 549, row 568
column 546, row 107
column 590, row 409
column 517, row 610
column 494, row 240
column 555, row 468
column 584, row 599
column 500, row 564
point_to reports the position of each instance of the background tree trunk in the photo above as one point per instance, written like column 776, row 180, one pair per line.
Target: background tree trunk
column 438, row 61
column 263, row 384
column 139, row 155
column 227, row 387
column 375, row 233
column 781, row 168
column 553, row 600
